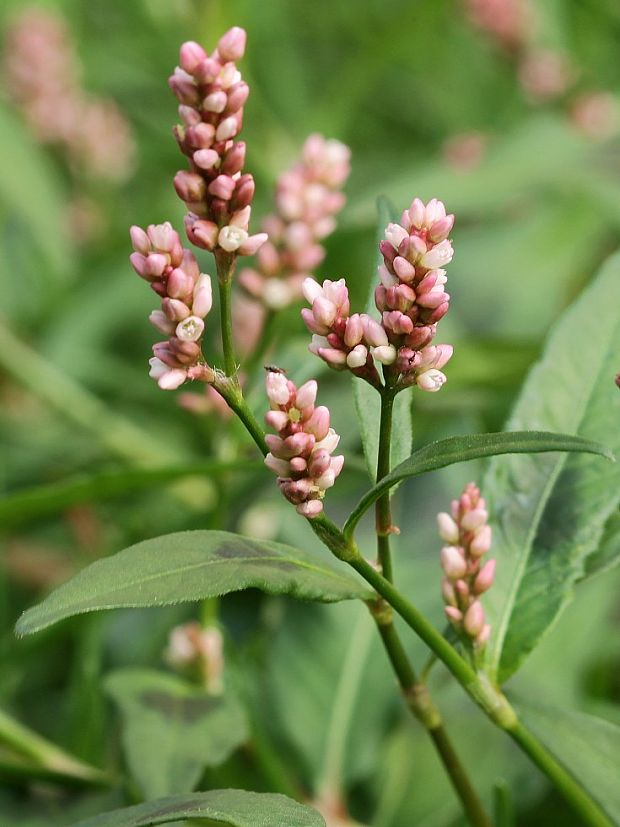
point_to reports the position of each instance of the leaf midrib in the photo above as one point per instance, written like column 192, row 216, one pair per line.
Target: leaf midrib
column 562, row 459
column 151, row 578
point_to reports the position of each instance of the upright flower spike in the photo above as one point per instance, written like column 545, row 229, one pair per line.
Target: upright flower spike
column 212, row 93
column 412, row 297
column 466, row 577
column 308, row 197
column 301, row 453
column 185, row 293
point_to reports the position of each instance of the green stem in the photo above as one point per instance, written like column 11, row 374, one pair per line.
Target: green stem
column 423, row 707
column 383, row 513
column 570, row 788
column 225, row 268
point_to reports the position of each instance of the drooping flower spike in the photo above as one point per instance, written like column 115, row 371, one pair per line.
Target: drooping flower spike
column 301, row 453
column 468, row 537
column 186, row 299
column 308, row 196
column 218, row 195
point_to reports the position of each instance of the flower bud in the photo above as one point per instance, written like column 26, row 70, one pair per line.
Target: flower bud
column 231, row 45
column 453, row 562
column 448, row 529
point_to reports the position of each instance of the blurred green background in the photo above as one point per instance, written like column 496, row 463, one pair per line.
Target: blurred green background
column 431, row 104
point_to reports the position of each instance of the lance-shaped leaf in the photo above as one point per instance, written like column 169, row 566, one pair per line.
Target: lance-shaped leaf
column 367, row 400
column 475, row 446
column 173, row 730
column 234, row 808
column 549, row 513
column 194, row 565
column 587, row 746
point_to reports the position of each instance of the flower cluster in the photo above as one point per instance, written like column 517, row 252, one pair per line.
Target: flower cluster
column 186, row 299
column 212, row 94
column 469, row 538
column 308, row 196
column 43, row 79
column 343, row 340
column 192, row 648
column 301, row 453
column 411, row 297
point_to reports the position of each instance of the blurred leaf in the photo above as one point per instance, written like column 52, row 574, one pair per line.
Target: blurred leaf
column 588, row 747
column 45, row 500
column 194, row 565
column 474, row 446
column 25, row 754
column 330, row 693
column 31, row 193
column 367, row 399
column 607, row 554
column 550, row 512
column 236, row 808
column 542, row 152
column 173, row 730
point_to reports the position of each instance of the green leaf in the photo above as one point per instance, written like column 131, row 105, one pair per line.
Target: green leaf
column 475, row 446
column 236, row 808
column 326, row 692
column 367, row 399
column 45, row 500
column 587, row 746
column 194, row 565
column 173, row 730
column 549, row 513
column 607, row 555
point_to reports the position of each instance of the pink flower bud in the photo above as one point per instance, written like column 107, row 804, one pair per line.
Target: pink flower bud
column 441, row 228
column 310, row 508
column 278, row 420
column 474, row 519
column 191, row 55
column 234, row 159
column 438, row 256
column 175, row 310
column 237, row 96
column 231, row 45
column 172, row 379
column 306, row 396
column 140, row 240
column 448, row 529
column 431, row 380
column 205, row 158
column 278, row 466
column 277, row 388
column 404, row 270
column 244, row 192
column 484, row 579
column 318, row 423
column 358, row 357
column 189, row 186
column 482, row 541
column 453, row 562
column 252, row 244
column 374, row 334
column 202, row 233
column 203, row 296
column 395, row 234
column 386, row 354
column 215, row 102
column 179, row 285
column 473, row 620
column 453, row 614
column 222, row 187
column 227, row 129
column 159, row 320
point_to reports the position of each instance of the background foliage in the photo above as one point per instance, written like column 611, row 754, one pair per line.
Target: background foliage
column 536, row 217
